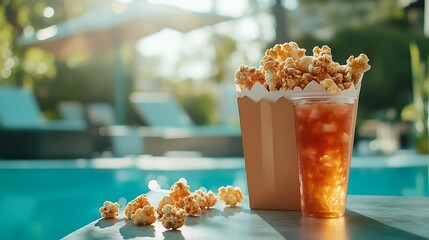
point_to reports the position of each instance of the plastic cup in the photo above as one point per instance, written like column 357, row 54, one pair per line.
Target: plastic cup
column 324, row 127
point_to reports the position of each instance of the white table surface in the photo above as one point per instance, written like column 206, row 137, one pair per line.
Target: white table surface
column 367, row 217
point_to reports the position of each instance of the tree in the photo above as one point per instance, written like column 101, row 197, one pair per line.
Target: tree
column 22, row 67
column 281, row 28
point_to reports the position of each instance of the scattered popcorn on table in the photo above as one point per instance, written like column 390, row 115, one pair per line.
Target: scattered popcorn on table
column 190, row 205
column 172, row 218
column 230, row 195
column 144, row 216
column 179, row 191
column 165, row 200
column 109, row 210
column 285, row 66
column 172, row 208
column 138, row 202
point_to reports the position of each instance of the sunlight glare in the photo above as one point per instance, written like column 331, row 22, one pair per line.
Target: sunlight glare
column 165, row 45
column 42, row 68
column 191, row 5
column 28, row 31
column 165, row 42
column 46, row 33
column 246, row 31
column 9, row 63
column 234, row 8
column 290, row 4
column 153, row 185
column 48, row 12
column 197, row 70
column 196, row 41
column 5, row 73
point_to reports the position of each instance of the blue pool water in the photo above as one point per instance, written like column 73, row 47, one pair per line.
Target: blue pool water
column 50, row 199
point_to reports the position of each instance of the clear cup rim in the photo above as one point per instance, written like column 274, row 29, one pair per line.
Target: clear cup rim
column 320, row 95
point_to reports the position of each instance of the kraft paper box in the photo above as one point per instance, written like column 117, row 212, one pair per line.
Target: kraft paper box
column 268, row 133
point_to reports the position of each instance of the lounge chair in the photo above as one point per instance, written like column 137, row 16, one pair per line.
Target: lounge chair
column 160, row 109
column 102, row 119
column 72, row 113
column 25, row 134
column 170, row 129
column 101, row 114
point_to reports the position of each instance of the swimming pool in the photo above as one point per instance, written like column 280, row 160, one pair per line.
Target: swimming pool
column 50, row 199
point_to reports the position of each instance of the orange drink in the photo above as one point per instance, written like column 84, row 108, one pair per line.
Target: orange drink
column 324, row 136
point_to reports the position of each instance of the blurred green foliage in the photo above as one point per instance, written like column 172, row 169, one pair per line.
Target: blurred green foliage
column 200, row 107
column 420, row 71
column 22, row 67
column 198, row 100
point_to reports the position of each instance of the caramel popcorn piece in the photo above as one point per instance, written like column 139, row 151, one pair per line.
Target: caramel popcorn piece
column 271, row 66
column 201, row 199
column 272, row 79
column 205, row 200
column 305, row 64
column 280, row 63
column 138, row 202
column 191, row 206
column 172, row 217
column 144, row 216
column 178, row 192
column 357, row 66
column 330, row 86
column 293, row 49
column 109, row 210
column 210, row 199
column 246, row 77
column 230, row 195
column 322, row 59
column 165, row 200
